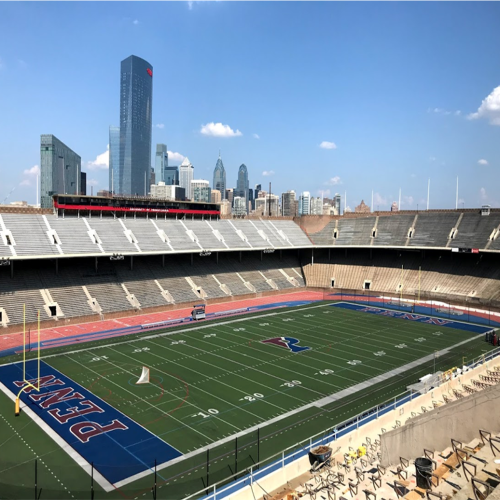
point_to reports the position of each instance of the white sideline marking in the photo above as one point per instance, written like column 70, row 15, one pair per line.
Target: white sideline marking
column 320, row 403
column 100, row 479
column 209, row 324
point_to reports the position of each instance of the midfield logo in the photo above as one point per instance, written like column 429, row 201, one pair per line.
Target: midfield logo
column 287, row 342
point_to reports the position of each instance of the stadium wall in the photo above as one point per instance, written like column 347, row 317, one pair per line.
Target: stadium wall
column 433, row 430
column 95, row 318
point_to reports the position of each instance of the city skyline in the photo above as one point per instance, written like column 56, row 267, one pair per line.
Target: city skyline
column 387, row 109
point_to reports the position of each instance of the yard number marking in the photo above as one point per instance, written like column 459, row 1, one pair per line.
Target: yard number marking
column 140, row 349
column 211, row 411
column 252, row 397
column 287, row 319
column 379, row 353
column 99, row 358
column 292, row 383
column 325, row 372
column 308, row 315
column 420, row 339
column 238, row 329
column 437, row 333
column 354, row 362
column 175, row 342
column 401, row 346
column 263, row 324
column 209, row 335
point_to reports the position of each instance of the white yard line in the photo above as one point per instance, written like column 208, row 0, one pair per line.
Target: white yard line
column 143, row 400
column 319, row 404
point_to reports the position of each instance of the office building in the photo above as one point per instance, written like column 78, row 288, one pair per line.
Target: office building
column 186, row 173
column 242, row 184
column 201, row 191
column 267, row 204
column 288, row 205
column 215, row 196
column 230, row 195
column 83, row 183
column 305, row 203
column 394, row 207
column 114, row 158
column 60, row 169
column 162, row 191
column 172, row 176
column 225, row 208
column 136, row 102
column 316, row 206
column 161, row 163
column 251, row 200
column 336, row 203
column 239, row 206
column 220, row 178
column 258, row 188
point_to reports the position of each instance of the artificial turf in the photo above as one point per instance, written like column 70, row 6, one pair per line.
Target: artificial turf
column 212, row 381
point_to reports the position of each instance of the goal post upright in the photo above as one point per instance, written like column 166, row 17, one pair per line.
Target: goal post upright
column 27, row 383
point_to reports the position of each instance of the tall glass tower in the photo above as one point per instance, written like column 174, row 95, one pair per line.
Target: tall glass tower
column 60, row 169
column 242, row 184
column 220, row 178
column 161, row 162
column 136, row 102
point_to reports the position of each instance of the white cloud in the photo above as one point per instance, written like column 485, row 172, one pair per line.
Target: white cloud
column 268, row 173
column 175, row 156
column 441, row 111
column 192, row 3
column 489, row 109
column 219, row 130
column 482, row 194
column 324, row 192
column 101, row 162
column 256, row 136
column 159, row 125
column 379, row 200
column 328, row 145
column 135, row 21
column 407, row 201
column 483, row 162
column 92, row 182
column 333, row 181
column 29, row 175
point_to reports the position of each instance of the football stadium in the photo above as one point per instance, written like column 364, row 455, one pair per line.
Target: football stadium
column 163, row 351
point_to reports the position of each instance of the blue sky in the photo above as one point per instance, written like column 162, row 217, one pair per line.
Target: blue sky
column 402, row 91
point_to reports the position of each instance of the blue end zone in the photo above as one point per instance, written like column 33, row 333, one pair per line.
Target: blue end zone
column 118, row 446
column 413, row 317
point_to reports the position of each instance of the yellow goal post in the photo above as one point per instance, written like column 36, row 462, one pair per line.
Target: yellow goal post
column 35, row 386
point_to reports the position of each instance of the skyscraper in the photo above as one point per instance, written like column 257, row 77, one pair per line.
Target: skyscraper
column 242, row 184
column 161, row 163
column 304, row 203
column 220, row 178
column 136, row 102
column 200, row 190
column 60, row 169
column 186, row 171
column 288, row 203
column 114, row 159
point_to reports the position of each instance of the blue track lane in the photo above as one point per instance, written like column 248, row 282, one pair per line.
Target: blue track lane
column 446, row 323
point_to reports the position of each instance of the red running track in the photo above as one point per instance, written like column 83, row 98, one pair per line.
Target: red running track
column 9, row 341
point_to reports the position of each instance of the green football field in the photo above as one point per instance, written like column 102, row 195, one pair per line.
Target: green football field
column 217, row 386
